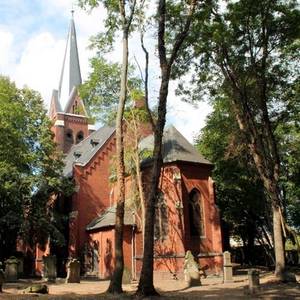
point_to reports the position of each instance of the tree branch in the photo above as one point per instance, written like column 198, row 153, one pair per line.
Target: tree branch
column 182, row 35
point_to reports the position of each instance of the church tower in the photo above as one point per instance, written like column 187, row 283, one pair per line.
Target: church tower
column 67, row 110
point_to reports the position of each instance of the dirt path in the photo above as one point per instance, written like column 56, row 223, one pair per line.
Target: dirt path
column 211, row 288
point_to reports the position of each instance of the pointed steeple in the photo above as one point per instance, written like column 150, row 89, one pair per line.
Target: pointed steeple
column 70, row 74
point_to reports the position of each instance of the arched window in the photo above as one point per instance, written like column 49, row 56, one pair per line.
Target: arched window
column 69, row 136
column 79, row 137
column 161, row 228
column 196, row 216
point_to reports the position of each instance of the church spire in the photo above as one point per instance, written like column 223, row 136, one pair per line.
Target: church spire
column 70, row 74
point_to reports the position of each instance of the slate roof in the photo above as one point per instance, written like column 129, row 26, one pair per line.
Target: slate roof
column 83, row 152
column 175, row 148
column 108, row 218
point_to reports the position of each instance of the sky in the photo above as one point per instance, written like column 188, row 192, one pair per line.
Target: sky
column 33, row 37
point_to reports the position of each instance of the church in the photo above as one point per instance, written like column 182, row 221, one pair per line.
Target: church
column 186, row 214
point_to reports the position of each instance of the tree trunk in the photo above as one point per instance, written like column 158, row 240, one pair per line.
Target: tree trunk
column 146, row 287
column 139, row 178
column 278, row 243
column 141, row 194
column 267, row 162
column 115, row 285
column 116, row 280
column 271, row 186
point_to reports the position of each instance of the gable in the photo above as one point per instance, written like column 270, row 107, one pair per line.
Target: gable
column 75, row 104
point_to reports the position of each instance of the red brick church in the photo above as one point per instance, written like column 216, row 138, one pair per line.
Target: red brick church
column 186, row 215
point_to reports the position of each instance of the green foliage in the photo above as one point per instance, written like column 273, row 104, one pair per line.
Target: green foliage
column 249, row 53
column 288, row 134
column 248, row 57
column 239, row 191
column 30, row 167
column 236, row 34
column 134, row 118
column 101, row 90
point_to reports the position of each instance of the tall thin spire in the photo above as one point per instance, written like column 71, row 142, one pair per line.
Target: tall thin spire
column 70, row 74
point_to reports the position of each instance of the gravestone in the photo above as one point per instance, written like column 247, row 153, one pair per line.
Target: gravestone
column 227, row 274
column 49, row 268
column 37, row 289
column 191, row 270
column 253, row 278
column 2, row 277
column 73, row 271
column 11, row 269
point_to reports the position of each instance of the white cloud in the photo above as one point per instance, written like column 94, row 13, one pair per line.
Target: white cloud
column 6, row 51
column 88, row 22
column 39, row 64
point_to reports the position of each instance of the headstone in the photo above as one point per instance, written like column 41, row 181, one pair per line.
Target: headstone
column 191, row 270
column 227, row 269
column 49, row 268
column 37, row 289
column 73, row 271
column 11, row 269
column 253, row 278
column 2, row 277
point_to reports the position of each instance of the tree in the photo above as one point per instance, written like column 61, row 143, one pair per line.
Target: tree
column 169, row 46
column 116, row 282
column 120, row 16
column 101, row 90
column 30, row 168
column 248, row 52
column 240, row 195
column 137, row 120
column 287, row 133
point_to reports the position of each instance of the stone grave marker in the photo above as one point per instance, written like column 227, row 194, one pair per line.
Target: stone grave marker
column 227, row 275
column 191, row 270
column 11, row 269
column 253, row 278
column 73, row 271
column 49, row 268
column 37, row 289
column 2, row 277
